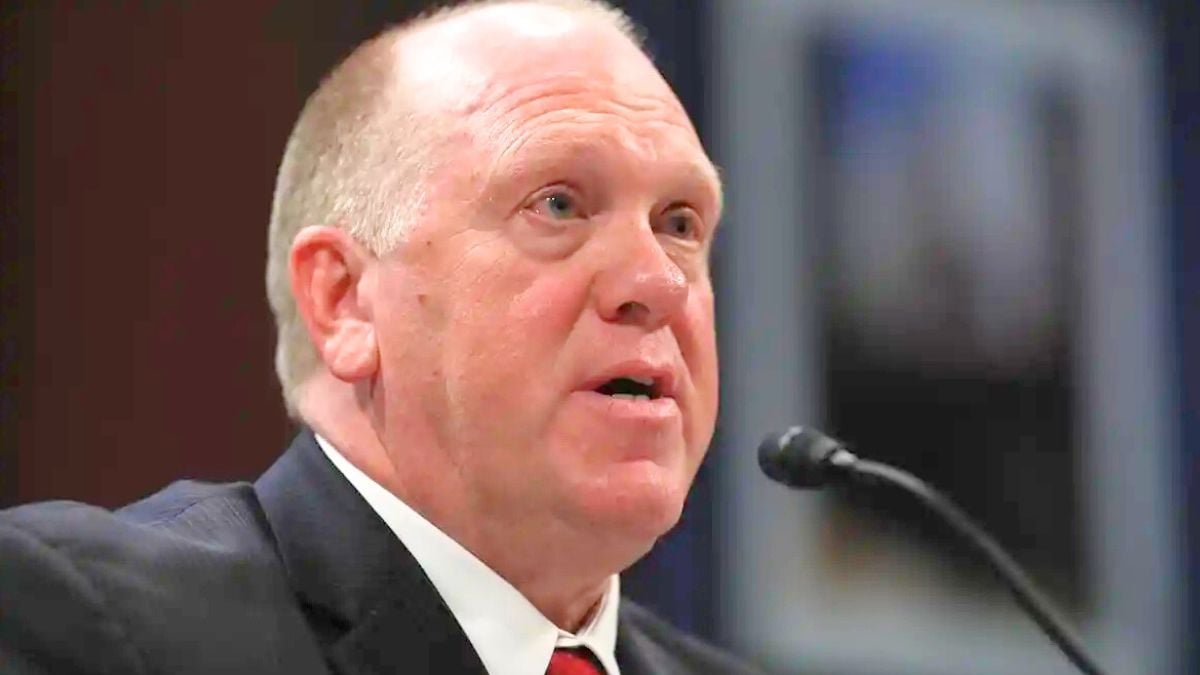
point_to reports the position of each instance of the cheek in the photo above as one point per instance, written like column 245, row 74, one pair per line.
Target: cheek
column 550, row 303
column 511, row 331
column 699, row 347
column 700, row 343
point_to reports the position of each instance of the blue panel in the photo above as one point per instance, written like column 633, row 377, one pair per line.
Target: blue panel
column 1182, row 78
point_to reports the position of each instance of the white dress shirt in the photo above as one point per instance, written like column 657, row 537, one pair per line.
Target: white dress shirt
column 510, row 635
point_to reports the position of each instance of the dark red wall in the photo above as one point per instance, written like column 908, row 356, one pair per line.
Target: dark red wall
column 140, row 145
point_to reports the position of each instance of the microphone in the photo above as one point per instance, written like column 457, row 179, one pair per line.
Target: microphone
column 803, row 457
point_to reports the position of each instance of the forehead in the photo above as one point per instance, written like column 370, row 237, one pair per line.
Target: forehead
column 558, row 116
column 533, row 81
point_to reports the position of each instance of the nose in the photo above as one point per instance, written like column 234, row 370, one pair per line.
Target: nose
column 640, row 284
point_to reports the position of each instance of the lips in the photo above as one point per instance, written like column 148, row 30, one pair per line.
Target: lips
column 631, row 409
column 637, row 381
column 630, row 388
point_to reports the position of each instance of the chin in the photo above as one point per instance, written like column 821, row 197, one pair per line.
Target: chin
column 638, row 500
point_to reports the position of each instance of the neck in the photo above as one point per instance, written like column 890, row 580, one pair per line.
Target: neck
column 566, row 588
column 563, row 572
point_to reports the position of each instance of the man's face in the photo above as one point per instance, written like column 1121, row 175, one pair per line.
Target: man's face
column 552, row 313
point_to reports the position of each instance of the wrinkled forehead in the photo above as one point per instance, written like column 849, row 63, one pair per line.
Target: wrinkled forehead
column 510, row 78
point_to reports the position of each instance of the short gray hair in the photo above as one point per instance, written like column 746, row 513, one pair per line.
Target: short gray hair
column 359, row 158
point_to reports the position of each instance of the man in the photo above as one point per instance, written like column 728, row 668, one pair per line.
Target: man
column 489, row 269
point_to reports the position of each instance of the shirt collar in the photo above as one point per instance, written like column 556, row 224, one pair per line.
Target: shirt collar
column 510, row 635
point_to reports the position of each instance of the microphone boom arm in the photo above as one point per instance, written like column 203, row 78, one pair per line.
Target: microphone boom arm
column 844, row 464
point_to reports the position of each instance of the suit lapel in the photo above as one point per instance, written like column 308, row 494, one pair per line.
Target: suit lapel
column 367, row 600
column 632, row 654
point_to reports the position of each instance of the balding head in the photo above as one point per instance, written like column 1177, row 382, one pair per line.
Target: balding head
column 369, row 139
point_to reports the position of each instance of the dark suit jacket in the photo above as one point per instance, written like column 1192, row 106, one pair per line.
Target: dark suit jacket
column 294, row 574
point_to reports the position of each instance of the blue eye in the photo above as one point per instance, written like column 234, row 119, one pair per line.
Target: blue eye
column 681, row 222
column 560, row 206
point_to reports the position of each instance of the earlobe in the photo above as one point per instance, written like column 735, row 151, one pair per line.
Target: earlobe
column 351, row 353
column 327, row 269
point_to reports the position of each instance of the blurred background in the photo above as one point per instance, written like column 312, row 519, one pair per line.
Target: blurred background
column 962, row 236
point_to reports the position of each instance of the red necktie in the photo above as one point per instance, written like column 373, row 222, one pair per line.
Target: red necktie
column 573, row 661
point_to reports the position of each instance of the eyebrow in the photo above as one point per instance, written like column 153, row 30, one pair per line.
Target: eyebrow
column 692, row 175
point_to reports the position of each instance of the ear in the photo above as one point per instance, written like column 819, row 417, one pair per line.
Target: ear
column 328, row 269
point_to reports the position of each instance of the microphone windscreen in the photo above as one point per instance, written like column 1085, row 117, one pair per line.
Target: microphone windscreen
column 797, row 457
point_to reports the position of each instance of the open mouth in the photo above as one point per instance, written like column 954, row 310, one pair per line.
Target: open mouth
column 631, row 389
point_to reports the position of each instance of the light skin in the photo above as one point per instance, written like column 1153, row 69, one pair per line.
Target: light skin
column 565, row 243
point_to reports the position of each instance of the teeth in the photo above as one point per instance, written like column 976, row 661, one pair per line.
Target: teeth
column 631, row 397
column 647, row 381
